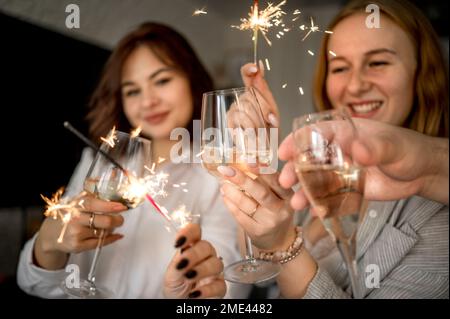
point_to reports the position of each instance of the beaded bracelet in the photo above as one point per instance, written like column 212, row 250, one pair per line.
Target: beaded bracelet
column 284, row 256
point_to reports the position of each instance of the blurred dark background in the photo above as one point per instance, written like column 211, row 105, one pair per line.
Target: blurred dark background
column 48, row 73
column 46, row 79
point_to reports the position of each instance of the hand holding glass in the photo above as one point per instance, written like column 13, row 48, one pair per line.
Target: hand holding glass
column 332, row 182
column 108, row 182
column 235, row 134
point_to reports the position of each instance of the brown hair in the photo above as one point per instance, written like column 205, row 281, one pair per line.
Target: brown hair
column 106, row 109
column 429, row 114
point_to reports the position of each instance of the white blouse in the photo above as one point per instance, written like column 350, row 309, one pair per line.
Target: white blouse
column 134, row 266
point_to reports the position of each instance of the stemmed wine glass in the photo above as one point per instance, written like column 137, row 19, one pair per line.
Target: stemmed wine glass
column 331, row 180
column 234, row 133
column 107, row 181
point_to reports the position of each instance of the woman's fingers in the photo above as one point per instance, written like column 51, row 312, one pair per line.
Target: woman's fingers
column 99, row 221
column 194, row 254
column 299, row 200
column 288, row 177
column 197, row 261
column 286, row 150
column 233, row 193
column 254, row 77
column 92, row 204
column 272, row 181
column 259, row 192
column 216, row 288
column 247, row 222
column 212, row 266
column 91, row 243
column 187, row 236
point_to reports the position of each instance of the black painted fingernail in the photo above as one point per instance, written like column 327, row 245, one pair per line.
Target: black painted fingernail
column 180, row 241
column 183, row 263
column 195, row 294
column 183, row 249
column 190, row 274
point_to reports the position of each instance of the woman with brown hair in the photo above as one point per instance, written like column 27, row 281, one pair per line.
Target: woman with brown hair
column 153, row 80
column 385, row 77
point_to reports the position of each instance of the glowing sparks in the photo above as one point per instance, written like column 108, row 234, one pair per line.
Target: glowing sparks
column 284, row 85
column 155, row 184
column 332, row 53
column 200, row 154
column 267, row 64
column 312, row 28
column 262, row 21
column 161, row 159
column 200, row 11
column 296, row 12
column 111, row 138
column 181, row 216
column 300, row 90
column 329, row 32
column 176, row 185
column 64, row 208
column 135, row 133
column 310, row 52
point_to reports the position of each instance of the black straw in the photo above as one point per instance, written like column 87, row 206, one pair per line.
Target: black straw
column 69, row 126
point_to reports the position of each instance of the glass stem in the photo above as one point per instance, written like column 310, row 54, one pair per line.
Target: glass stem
column 348, row 251
column 248, row 248
column 98, row 249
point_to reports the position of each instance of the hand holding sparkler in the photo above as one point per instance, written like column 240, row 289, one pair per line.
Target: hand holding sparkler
column 261, row 21
column 194, row 271
column 75, row 233
column 254, row 77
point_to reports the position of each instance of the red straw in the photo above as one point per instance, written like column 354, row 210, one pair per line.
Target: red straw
column 156, row 206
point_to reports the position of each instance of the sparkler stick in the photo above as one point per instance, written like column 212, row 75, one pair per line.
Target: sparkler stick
column 255, row 33
column 69, row 126
column 152, row 201
column 96, row 148
column 261, row 21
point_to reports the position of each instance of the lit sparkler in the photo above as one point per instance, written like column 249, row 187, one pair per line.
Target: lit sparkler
column 181, row 216
column 111, row 138
column 64, row 208
column 153, row 186
column 267, row 64
column 262, row 21
column 135, row 133
column 312, row 28
column 200, row 11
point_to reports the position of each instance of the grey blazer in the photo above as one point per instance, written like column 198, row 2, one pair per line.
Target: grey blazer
column 406, row 241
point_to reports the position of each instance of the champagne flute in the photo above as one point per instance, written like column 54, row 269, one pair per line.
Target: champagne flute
column 331, row 180
column 108, row 182
column 234, row 134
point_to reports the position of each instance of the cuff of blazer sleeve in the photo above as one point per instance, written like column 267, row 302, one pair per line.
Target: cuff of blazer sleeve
column 323, row 287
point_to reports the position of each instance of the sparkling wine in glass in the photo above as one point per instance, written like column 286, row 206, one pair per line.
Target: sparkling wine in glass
column 331, row 180
column 235, row 134
column 106, row 181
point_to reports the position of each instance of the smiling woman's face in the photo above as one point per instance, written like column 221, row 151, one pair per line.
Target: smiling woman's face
column 155, row 96
column 373, row 71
